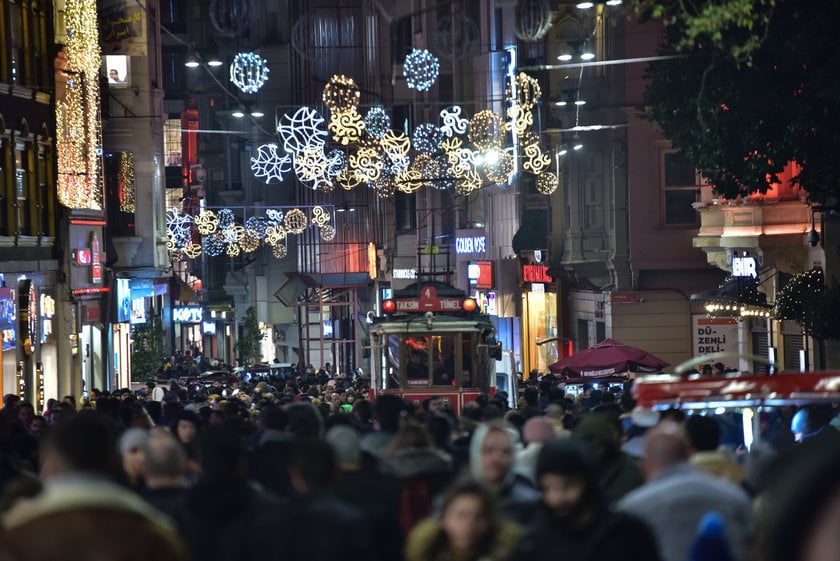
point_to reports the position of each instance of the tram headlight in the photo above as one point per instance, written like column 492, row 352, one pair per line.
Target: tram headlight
column 469, row 304
column 389, row 306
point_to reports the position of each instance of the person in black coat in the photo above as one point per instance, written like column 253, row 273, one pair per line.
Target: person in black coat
column 574, row 522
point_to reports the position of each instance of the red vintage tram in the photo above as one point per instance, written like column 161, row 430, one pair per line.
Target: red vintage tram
column 431, row 340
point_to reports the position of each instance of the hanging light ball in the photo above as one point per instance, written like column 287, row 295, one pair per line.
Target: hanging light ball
column 256, row 226
column 327, row 233
column 546, row 183
column 279, row 251
column 384, row 186
column 533, row 19
column 377, row 121
column 249, row 243
column 499, row 167
column 336, row 162
column 226, row 218
column 230, row 17
column 455, row 37
column 341, row 94
column 214, row 245
column 486, row 130
column 427, row 138
column 467, row 183
column 248, row 72
column 295, row 221
column 445, row 178
column 421, row 69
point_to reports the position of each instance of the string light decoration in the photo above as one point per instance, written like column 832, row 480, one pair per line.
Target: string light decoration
column 533, row 19
column 301, row 131
column 427, row 138
column 206, row 222
column 546, row 183
column 226, row 218
column 320, row 217
column 275, row 234
column 421, row 69
column 535, row 159
column 347, row 179
column 468, row 183
column 520, row 119
column 178, row 227
column 802, row 300
column 528, row 91
column 269, row 165
column 408, row 181
column 327, row 233
column 256, row 226
column 311, row 167
column 249, row 243
column 232, row 250
column 214, row 245
column 367, row 165
column 274, row 216
column 384, row 186
column 295, row 221
column 248, row 72
column 396, row 144
column 78, row 128
column 453, row 123
column 444, row 178
column 341, row 94
column 498, row 168
column 192, row 250
column 125, row 180
column 233, row 234
column 279, row 251
column 486, row 130
column 377, row 121
column 336, row 162
column 346, row 126
column 230, row 17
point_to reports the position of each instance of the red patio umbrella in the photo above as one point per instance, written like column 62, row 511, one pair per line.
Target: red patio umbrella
column 607, row 359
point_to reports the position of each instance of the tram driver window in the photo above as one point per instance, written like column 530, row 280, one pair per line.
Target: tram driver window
column 443, row 360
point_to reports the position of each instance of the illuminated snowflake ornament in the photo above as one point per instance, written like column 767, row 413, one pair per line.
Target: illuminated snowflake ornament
column 178, row 227
column 377, row 121
column 421, row 69
column 248, row 72
column 269, row 165
column 303, row 130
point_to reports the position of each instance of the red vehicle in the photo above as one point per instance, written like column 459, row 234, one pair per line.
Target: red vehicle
column 431, row 340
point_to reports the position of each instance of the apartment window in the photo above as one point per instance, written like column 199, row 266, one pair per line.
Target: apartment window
column 22, row 179
column 680, row 189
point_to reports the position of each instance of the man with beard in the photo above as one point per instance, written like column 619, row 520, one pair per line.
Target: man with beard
column 574, row 522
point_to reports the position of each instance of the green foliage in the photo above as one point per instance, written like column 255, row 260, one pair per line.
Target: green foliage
column 741, row 121
column 734, row 27
column 815, row 306
column 248, row 345
column 147, row 349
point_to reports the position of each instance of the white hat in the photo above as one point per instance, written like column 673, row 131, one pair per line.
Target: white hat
column 644, row 417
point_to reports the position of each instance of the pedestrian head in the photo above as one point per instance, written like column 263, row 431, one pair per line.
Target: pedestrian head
column 566, row 471
column 468, row 518
column 82, row 443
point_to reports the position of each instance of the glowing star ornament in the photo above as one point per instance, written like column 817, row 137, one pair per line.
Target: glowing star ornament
column 427, row 138
column 453, row 123
column 346, row 126
column 206, row 222
column 377, row 121
column 295, row 221
column 486, row 130
column 269, row 165
column 535, row 159
column 341, row 94
column 303, row 130
column 421, row 69
column 546, row 183
column 248, row 72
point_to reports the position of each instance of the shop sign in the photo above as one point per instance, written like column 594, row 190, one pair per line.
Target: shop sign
column 208, row 327
column 404, row 274
column 8, row 318
column 535, row 273
column 373, row 270
column 28, row 319
column 714, row 335
column 187, row 314
column 47, row 314
column 744, row 266
column 480, row 274
column 466, row 245
column 430, row 302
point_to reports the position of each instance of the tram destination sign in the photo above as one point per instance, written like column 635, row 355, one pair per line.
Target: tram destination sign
column 429, row 301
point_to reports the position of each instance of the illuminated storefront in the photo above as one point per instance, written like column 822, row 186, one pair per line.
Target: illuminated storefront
column 539, row 318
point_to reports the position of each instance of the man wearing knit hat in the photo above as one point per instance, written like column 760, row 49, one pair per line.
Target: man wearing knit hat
column 574, row 522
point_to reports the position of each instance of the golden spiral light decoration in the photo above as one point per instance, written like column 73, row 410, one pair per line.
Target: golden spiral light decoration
column 535, row 159
column 206, row 222
column 347, row 126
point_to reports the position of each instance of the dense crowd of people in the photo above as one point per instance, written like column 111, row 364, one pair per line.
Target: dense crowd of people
column 308, row 467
